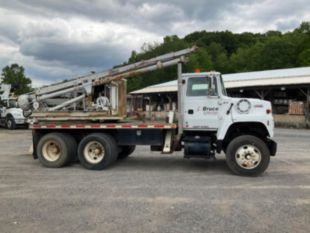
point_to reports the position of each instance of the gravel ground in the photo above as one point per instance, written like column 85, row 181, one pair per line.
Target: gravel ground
column 150, row 192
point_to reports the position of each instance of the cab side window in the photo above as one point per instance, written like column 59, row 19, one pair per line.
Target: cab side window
column 198, row 86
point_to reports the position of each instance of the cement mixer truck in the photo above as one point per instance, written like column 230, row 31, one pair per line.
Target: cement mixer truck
column 11, row 116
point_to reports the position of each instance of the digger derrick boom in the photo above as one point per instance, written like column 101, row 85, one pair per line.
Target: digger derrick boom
column 98, row 96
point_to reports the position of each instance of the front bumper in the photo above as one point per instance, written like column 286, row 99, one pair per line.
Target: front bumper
column 21, row 121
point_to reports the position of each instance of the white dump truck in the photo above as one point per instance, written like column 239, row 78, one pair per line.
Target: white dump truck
column 68, row 121
column 11, row 116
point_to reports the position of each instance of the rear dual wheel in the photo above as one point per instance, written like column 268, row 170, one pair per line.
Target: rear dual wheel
column 97, row 151
column 125, row 151
column 56, row 150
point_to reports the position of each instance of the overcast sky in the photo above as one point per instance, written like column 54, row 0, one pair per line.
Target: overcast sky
column 60, row 39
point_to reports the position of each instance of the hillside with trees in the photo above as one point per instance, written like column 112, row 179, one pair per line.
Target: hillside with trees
column 229, row 52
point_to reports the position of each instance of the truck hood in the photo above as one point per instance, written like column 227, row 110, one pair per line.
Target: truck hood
column 16, row 112
column 249, row 106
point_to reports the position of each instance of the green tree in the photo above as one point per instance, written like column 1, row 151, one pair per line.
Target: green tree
column 273, row 33
column 201, row 60
column 277, row 53
column 219, row 57
column 246, row 59
column 15, row 75
column 304, row 58
column 239, row 61
column 304, row 28
column 133, row 57
column 228, row 52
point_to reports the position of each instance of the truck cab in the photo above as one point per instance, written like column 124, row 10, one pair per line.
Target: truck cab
column 213, row 122
column 207, row 106
column 11, row 115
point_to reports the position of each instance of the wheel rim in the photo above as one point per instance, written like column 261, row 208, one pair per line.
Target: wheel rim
column 9, row 123
column 94, row 152
column 248, row 156
column 51, row 150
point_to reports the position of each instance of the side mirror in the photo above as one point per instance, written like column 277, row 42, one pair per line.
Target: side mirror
column 212, row 87
column 212, row 92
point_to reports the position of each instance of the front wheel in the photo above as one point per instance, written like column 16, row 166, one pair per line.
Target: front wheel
column 247, row 155
column 10, row 122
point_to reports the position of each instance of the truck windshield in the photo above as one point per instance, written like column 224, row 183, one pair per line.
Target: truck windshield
column 12, row 104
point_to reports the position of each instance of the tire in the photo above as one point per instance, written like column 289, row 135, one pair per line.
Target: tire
column 72, row 144
column 10, row 122
column 97, row 151
column 247, row 155
column 56, row 149
column 125, row 151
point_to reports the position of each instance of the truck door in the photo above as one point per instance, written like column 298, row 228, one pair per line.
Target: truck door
column 201, row 103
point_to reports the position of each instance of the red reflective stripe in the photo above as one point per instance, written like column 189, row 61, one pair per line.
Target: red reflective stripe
column 65, row 126
column 159, row 125
column 141, row 125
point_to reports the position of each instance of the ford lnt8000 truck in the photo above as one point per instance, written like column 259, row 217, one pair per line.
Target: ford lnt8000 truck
column 85, row 118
